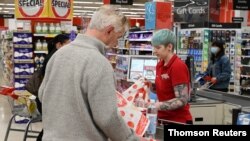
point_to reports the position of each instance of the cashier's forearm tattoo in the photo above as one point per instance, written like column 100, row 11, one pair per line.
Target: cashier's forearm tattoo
column 180, row 100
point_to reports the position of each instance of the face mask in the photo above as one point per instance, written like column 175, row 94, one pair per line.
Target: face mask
column 214, row 50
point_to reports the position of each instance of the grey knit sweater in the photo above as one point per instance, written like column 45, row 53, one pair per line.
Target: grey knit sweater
column 78, row 95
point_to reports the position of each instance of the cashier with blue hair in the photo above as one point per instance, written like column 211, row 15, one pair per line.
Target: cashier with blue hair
column 172, row 80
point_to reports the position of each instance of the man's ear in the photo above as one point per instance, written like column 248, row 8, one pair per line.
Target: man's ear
column 109, row 29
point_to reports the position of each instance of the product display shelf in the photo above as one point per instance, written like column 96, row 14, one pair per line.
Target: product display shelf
column 194, row 42
column 45, row 35
column 122, row 66
column 245, row 63
column 111, row 56
column 135, row 44
column 121, row 72
column 195, row 39
column 140, row 43
column 229, row 33
column 6, row 57
column 23, row 58
column 44, row 31
column 42, row 52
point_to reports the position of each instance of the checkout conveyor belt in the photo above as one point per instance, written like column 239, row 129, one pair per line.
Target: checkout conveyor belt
column 243, row 101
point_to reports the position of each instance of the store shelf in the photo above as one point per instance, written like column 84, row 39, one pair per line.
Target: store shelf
column 41, row 52
column 245, row 87
column 142, row 49
column 245, row 56
column 246, row 76
column 141, row 32
column 144, row 40
column 45, row 35
column 124, row 48
column 245, row 65
column 121, row 69
column 246, row 48
column 111, row 53
column 29, row 61
column 247, row 39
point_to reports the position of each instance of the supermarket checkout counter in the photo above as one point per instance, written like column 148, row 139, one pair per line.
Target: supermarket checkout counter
column 199, row 102
column 241, row 100
column 218, row 107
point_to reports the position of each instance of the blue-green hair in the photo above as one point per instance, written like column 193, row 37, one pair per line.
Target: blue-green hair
column 163, row 37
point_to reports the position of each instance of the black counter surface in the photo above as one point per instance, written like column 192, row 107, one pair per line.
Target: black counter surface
column 241, row 100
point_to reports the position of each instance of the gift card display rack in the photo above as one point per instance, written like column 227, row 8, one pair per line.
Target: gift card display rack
column 230, row 34
column 193, row 40
column 245, row 63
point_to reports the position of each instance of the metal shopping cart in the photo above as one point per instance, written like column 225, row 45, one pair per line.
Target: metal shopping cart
column 26, row 108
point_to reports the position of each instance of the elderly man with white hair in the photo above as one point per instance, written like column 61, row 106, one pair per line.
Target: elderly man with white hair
column 78, row 91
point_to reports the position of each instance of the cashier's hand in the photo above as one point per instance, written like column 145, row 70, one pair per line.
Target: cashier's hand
column 213, row 80
column 158, row 105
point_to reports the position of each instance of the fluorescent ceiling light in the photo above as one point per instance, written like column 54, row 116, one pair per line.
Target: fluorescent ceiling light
column 136, row 18
column 83, row 2
column 88, row 7
column 129, row 13
column 1, row 8
column 136, row 9
column 77, row 6
column 82, row 11
column 133, row 15
column 123, row 8
column 137, row 4
column 98, row 2
column 76, row 14
column 140, row 13
column 5, row 11
column 10, row 4
column 9, row 8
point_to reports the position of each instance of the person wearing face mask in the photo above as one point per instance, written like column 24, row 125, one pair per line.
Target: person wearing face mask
column 172, row 80
column 219, row 68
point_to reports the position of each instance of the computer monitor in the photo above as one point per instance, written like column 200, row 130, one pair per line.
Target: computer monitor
column 142, row 66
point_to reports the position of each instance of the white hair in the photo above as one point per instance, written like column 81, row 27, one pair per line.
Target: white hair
column 108, row 15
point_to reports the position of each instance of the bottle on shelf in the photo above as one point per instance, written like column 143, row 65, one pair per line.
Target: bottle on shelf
column 38, row 28
column 45, row 28
column 37, row 62
column 139, row 101
column 38, row 45
column 44, row 45
column 152, row 116
column 41, row 61
column 52, row 28
column 58, row 28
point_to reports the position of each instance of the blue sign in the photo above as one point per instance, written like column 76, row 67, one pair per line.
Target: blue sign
column 150, row 15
